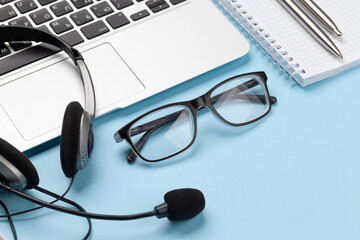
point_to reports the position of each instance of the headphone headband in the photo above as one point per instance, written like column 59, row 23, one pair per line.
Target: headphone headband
column 18, row 33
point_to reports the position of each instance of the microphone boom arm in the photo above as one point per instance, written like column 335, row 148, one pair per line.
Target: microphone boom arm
column 78, row 213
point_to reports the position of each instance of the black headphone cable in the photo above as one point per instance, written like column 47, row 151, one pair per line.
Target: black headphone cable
column 57, row 198
column 36, row 208
column 12, row 226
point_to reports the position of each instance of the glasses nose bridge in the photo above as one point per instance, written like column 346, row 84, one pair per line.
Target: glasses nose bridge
column 199, row 102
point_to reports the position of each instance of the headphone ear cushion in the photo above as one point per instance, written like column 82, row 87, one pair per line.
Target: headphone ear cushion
column 21, row 162
column 70, row 138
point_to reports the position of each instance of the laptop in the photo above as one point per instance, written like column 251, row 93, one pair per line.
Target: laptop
column 133, row 48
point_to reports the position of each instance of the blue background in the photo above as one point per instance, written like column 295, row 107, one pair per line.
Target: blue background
column 292, row 175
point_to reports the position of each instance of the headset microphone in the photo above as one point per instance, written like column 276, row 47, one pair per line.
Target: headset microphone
column 179, row 204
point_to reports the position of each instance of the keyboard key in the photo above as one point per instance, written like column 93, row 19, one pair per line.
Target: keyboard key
column 25, row 6
column 3, row 2
column 120, row 4
column 6, row 13
column 154, row 3
column 21, row 21
column 160, row 7
column 174, row 2
column 36, row 53
column 4, row 50
column 140, row 15
column 73, row 38
column 45, row 2
column 61, row 25
column 157, row 5
column 61, row 8
column 117, row 20
column 81, row 17
column 16, row 46
column 102, row 9
column 81, row 3
column 44, row 28
column 41, row 16
column 95, row 29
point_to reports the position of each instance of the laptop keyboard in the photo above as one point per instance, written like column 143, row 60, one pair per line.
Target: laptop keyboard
column 75, row 21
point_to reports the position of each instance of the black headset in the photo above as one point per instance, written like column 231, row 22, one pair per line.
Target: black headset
column 77, row 138
column 18, row 173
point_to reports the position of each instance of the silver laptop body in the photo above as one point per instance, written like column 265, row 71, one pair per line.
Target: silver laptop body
column 132, row 62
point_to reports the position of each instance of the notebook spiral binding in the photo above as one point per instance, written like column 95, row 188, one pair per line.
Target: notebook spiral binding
column 280, row 58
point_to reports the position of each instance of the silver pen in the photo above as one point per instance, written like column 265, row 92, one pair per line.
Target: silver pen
column 323, row 18
column 305, row 20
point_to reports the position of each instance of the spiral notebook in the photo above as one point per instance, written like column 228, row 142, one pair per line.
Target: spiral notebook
column 289, row 46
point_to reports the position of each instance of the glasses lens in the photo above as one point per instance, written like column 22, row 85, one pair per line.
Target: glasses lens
column 241, row 99
column 163, row 133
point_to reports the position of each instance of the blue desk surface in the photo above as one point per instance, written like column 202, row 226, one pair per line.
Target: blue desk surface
column 293, row 175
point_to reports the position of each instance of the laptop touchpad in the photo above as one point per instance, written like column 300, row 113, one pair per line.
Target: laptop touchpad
column 42, row 96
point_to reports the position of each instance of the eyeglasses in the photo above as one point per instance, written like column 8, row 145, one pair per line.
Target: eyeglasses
column 171, row 129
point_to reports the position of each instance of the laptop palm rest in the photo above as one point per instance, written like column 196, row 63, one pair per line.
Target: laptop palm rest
column 59, row 84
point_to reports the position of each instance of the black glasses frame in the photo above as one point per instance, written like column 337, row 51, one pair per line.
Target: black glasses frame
column 125, row 133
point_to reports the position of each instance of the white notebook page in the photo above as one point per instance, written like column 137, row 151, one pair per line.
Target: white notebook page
column 317, row 62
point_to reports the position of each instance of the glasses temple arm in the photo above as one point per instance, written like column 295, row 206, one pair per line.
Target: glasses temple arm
column 154, row 124
column 131, row 156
